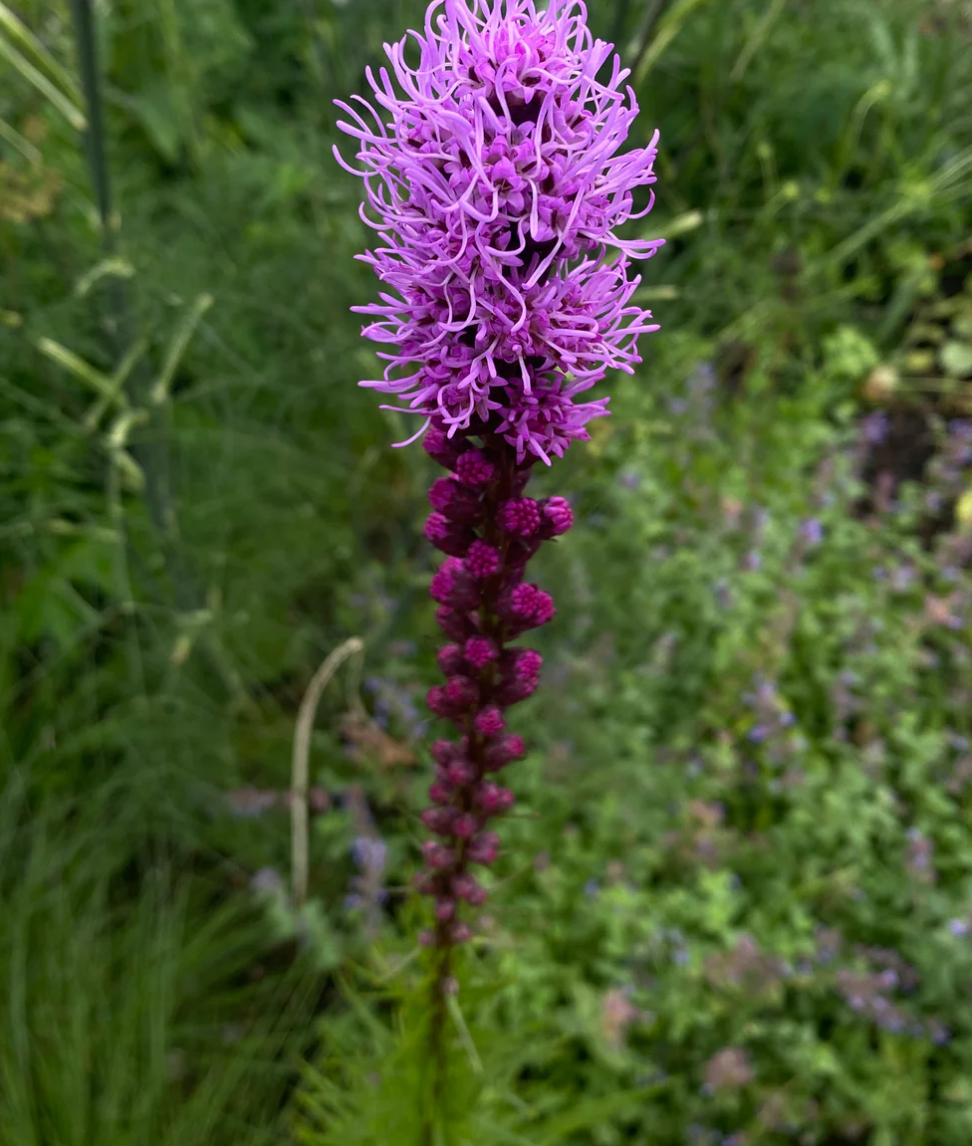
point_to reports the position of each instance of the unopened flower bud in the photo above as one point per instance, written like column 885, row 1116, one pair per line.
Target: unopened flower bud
column 441, row 448
column 502, row 750
column 461, row 691
column 444, row 752
column 490, row 721
column 474, row 468
column 439, row 793
column 527, row 664
column 479, row 651
column 482, row 560
column 455, row 623
column 520, row 516
column 437, row 856
column 447, row 536
column 464, row 886
column 460, row 932
column 493, row 799
column 464, row 827
column 526, row 607
column 513, row 691
column 456, row 501
column 558, row 517
column 484, row 848
column 438, row 702
column 453, row 585
column 439, row 820
column 445, row 909
column 460, row 772
column 451, row 659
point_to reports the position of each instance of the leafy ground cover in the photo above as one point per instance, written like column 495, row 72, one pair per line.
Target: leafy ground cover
column 736, row 903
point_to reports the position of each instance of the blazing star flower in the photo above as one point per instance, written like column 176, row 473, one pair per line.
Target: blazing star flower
column 497, row 181
column 494, row 174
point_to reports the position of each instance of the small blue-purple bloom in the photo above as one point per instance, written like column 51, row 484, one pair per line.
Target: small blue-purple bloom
column 812, row 531
column 875, row 428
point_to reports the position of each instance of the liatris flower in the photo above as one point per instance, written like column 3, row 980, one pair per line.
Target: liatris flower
column 498, row 186
column 495, row 173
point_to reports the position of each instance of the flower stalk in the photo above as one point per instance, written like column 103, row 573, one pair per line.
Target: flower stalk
column 496, row 179
column 490, row 530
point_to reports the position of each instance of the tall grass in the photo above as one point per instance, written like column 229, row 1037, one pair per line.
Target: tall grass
column 131, row 1013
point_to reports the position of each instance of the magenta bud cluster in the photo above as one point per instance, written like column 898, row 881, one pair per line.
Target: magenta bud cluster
column 488, row 530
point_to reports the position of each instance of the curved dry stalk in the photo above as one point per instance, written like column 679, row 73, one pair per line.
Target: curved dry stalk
column 300, row 851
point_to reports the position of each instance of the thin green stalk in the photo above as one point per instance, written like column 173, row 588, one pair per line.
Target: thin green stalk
column 653, row 15
column 622, row 10
column 151, row 448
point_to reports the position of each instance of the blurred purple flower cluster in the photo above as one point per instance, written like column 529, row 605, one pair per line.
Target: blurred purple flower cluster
column 774, row 726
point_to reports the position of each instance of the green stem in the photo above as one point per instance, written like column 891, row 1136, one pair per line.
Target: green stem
column 622, row 10
column 151, row 448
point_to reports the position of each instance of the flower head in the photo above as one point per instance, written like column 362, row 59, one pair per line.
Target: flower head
column 496, row 179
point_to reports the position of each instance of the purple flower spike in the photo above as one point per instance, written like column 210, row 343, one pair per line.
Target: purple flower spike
column 497, row 178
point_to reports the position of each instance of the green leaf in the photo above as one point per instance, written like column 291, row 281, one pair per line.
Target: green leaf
column 956, row 359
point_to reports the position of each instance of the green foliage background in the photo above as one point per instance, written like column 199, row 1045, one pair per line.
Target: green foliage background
column 197, row 505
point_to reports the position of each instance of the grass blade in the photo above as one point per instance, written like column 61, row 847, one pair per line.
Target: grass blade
column 37, row 79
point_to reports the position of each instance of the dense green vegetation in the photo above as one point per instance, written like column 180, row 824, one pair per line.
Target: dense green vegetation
column 736, row 901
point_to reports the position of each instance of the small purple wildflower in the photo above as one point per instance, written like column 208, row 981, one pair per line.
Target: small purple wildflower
column 369, row 853
column 874, row 428
column 250, row 803
column 812, row 531
column 940, row 1034
column 902, row 578
column 267, row 881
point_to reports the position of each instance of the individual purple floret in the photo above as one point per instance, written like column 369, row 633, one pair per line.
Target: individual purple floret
column 496, row 176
